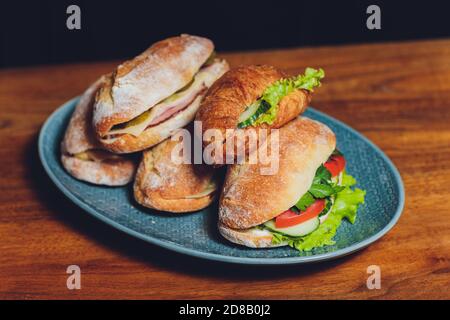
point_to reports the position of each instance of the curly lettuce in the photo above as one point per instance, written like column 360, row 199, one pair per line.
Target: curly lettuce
column 345, row 206
column 281, row 88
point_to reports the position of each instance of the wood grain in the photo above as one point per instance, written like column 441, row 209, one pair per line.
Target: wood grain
column 397, row 94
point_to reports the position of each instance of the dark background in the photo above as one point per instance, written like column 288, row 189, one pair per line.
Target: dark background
column 34, row 32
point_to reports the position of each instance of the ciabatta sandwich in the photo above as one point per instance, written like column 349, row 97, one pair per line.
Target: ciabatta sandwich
column 81, row 154
column 149, row 97
column 302, row 204
column 168, row 185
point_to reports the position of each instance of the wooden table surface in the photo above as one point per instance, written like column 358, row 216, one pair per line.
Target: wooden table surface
column 397, row 94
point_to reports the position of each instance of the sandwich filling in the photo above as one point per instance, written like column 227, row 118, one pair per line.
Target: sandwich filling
column 96, row 155
column 265, row 108
column 173, row 104
column 313, row 221
column 210, row 188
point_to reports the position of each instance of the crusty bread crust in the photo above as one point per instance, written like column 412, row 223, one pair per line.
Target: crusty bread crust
column 140, row 83
column 162, row 184
column 109, row 173
column 237, row 89
column 79, row 137
column 249, row 198
column 127, row 143
column 249, row 237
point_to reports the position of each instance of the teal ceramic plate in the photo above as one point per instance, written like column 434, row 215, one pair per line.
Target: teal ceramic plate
column 195, row 234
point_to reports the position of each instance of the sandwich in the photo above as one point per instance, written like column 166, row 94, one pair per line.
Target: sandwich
column 302, row 205
column 167, row 185
column 149, row 97
column 253, row 97
column 83, row 157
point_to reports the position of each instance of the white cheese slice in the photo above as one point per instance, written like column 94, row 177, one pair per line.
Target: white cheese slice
column 96, row 155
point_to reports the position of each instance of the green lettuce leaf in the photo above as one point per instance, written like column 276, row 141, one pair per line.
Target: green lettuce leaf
column 348, row 180
column 347, row 202
column 345, row 206
column 305, row 201
column 322, row 187
column 277, row 238
column 322, row 175
column 309, row 80
column 281, row 88
column 320, row 191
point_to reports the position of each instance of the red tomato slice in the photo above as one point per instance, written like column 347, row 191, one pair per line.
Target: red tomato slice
column 290, row 218
column 335, row 165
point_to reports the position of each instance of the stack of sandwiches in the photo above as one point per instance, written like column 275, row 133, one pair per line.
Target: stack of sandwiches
column 140, row 106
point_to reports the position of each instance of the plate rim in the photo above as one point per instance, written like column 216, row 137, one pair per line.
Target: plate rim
column 220, row 257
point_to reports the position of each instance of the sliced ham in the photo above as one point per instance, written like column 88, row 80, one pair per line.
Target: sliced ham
column 204, row 78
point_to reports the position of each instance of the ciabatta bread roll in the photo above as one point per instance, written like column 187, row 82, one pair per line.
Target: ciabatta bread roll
column 250, row 199
column 240, row 100
column 164, row 185
column 149, row 97
column 83, row 157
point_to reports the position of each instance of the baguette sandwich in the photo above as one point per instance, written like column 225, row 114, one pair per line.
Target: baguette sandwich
column 253, row 97
column 83, row 157
column 149, row 97
column 302, row 205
